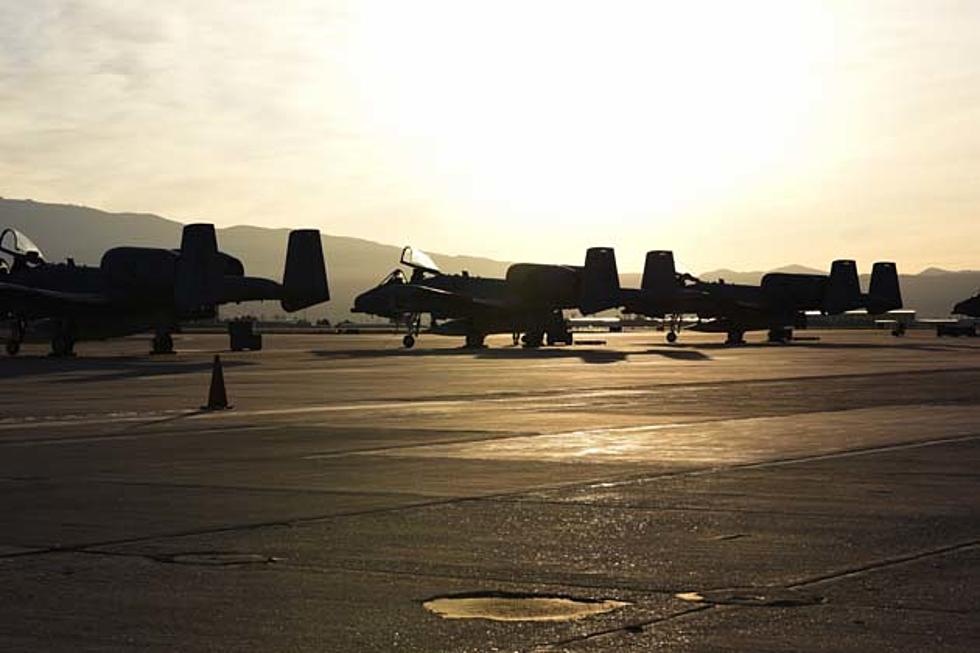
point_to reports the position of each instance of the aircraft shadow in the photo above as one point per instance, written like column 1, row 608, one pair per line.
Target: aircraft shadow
column 596, row 356
column 817, row 344
column 116, row 368
column 680, row 354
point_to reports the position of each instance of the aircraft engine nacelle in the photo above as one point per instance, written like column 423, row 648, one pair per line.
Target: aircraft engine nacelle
column 552, row 285
column 140, row 271
column 231, row 266
column 796, row 291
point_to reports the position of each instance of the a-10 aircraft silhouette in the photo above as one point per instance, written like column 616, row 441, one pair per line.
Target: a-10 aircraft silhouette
column 778, row 304
column 528, row 301
column 135, row 289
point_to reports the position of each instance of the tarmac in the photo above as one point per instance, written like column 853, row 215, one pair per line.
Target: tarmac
column 622, row 495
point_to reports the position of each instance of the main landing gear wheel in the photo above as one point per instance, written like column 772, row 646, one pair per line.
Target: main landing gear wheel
column 474, row 341
column 408, row 341
column 780, row 336
column 735, row 338
column 18, row 330
column 672, row 337
column 62, row 345
column 532, row 340
column 163, row 344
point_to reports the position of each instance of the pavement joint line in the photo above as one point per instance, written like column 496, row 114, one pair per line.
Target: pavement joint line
column 283, row 563
column 762, row 464
column 661, row 426
column 646, row 590
column 247, row 488
column 128, row 435
column 544, row 648
column 885, row 563
column 455, row 500
column 474, row 498
column 127, row 416
column 676, row 508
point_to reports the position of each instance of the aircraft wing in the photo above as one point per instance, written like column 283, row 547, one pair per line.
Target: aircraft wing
column 26, row 299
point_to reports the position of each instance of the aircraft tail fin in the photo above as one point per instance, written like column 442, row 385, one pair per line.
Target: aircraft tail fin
column 199, row 268
column 600, row 281
column 305, row 278
column 884, row 294
column 844, row 289
column 659, row 272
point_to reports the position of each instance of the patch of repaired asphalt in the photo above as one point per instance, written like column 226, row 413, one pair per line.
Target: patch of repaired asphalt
column 497, row 606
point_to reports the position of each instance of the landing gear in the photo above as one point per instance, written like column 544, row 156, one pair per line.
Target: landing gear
column 735, row 337
column 899, row 330
column 563, row 337
column 163, row 343
column 532, row 339
column 475, row 341
column 675, row 324
column 18, row 329
column 63, row 344
column 517, row 337
column 414, row 327
column 780, row 335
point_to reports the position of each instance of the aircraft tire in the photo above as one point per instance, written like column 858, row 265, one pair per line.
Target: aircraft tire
column 408, row 341
column 62, row 345
column 533, row 340
column 735, row 338
column 13, row 347
column 671, row 337
column 164, row 344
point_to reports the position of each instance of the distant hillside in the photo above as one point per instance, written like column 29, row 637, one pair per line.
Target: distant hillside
column 354, row 265
column 932, row 292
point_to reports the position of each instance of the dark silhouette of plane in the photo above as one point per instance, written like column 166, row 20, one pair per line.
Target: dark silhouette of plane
column 135, row 289
column 969, row 307
column 778, row 304
column 528, row 301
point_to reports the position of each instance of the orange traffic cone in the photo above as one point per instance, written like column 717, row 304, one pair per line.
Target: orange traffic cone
column 217, row 398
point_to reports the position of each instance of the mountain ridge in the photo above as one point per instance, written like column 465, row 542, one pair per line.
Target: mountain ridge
column 354, row 264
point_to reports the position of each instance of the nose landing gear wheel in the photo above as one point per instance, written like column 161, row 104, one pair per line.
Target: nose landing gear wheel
column 408, row 341
column 671, row 337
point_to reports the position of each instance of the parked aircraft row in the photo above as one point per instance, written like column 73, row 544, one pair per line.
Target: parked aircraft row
column 531, row 298
column 135, row 289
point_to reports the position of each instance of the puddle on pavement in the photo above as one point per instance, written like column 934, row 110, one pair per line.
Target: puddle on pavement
column 767, row 598
column 218, row 559
column 518, row 607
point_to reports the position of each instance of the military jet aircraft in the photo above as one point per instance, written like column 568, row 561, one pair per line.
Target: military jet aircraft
column 969, row 307
column 778, row 304
column 135, row 289
column 528, row 301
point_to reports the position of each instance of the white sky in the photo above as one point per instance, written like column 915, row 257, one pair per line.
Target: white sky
column 742, row 135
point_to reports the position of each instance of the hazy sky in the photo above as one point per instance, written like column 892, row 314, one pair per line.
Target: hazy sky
column 744, row 135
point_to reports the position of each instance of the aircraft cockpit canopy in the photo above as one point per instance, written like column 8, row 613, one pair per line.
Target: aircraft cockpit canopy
column 18, row 246
column 419, row 260
column 396, row 277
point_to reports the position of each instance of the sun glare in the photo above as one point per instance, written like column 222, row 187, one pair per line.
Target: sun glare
column 583, row 110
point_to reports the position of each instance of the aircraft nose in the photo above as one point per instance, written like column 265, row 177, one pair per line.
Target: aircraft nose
column 369, row 302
